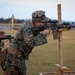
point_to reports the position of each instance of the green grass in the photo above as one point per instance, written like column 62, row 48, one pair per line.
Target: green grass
column 43, row 58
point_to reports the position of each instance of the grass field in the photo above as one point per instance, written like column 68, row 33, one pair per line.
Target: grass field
column 43, row 58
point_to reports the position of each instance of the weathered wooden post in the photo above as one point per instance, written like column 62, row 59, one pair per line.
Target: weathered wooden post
column 12, row 23
column 60, row 36
column 60, row 66
column 60, row 39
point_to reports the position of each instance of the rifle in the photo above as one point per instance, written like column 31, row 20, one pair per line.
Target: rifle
column 54, row 26
column 9, row 37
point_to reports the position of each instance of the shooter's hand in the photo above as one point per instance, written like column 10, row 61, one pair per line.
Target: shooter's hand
column 46, row 32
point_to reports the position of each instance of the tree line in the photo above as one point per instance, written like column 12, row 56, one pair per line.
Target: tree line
column 9, row 20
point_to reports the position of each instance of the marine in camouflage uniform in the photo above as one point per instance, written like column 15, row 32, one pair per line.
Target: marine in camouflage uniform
column 23, row 43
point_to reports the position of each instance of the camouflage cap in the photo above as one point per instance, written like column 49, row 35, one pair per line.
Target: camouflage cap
column 39, row 16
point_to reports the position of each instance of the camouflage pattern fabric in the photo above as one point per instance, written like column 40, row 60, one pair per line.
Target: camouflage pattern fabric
column 23, row 41
column 19, row 63
column 39, row 16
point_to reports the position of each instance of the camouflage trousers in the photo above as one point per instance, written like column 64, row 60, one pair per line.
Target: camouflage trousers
column 18, row 62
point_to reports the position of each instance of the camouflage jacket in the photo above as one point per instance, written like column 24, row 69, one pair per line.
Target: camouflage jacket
column 25, row 41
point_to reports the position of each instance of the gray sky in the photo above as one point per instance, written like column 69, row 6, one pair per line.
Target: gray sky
column 22, row 9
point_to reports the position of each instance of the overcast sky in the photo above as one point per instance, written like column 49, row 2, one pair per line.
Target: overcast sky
column 22, row 9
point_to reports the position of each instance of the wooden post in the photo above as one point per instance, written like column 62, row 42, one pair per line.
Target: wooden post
column 60, row 66
column 12, row 23
column 60, row 36
column 60, row 41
